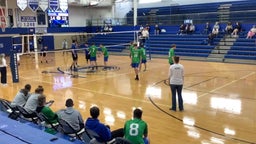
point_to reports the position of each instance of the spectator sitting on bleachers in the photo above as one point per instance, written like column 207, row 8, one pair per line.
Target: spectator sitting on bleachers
column 32, row 101
column 207, row 28
column 110, row 29
column 190, row 28
column 105, row 28
column 157, row 30
column 72, row 116
column 252, row 32
column 51, row 116
column 144, row 36
column 216, row 28
column 93, row 123
column 22, row 96
column 182, row 29
column 141, row 27
column 229, row 28
column 237, row 29
column 211, row 37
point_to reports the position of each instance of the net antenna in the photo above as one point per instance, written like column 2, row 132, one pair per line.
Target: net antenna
column 3, row 15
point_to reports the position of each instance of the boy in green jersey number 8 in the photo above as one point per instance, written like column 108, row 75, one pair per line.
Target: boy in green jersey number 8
column 136, row 130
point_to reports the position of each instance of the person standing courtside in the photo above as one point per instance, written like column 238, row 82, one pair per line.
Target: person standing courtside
column 64, row 46
column 135, row 57
column 136, row 130
column 176, row 77
column 3, row 69
column 172, row 54
column 74, row 55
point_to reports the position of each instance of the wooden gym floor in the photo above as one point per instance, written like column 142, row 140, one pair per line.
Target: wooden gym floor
column 219, row 98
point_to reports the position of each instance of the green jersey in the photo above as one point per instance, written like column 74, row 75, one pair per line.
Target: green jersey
column 135, row 56
column 143, row 54
column 131, row 48
column 134, row 130
column 93, row 51
column 104, row 51
column 171, row 54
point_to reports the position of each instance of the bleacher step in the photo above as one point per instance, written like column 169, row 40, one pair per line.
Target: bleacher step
column 215, row 51
column 215, row 59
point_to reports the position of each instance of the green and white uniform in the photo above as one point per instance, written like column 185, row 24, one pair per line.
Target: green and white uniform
column 93, row 51
column 135, row 56
column 143, row 54
column 104, row 51
column 134, row 130
column 171, row 54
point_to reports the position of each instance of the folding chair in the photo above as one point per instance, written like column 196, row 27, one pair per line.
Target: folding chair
column 46, row 122
column 120, row 140
column 90, row 136
column 12, row 110
column 28, row 116
column 66, row 128
column 6, row 106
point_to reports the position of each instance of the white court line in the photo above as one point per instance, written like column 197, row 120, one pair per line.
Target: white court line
column 227, row 84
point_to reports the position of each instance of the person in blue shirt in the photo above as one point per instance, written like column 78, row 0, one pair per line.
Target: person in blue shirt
column 87, row 52
column 74, row 54
column 93, row 123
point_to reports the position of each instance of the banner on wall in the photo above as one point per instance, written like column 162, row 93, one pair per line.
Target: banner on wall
column 63, row 5
column 28, row 21
column 22, row 4
column 43, row 4
column 33, row 4
column 54, row 4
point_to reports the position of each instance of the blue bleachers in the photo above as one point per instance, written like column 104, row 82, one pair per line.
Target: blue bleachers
column 242, row 49
column 187, row 45
column 115, row 42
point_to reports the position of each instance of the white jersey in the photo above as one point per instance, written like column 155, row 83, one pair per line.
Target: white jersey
column 176, row 74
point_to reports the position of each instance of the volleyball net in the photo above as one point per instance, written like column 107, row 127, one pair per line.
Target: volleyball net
column 117, row 43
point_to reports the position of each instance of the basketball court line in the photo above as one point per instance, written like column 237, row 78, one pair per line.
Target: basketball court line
column 227, row 84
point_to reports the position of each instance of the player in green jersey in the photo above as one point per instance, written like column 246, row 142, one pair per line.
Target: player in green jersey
column 93, row 53
column 131, row 48
column 136, row 130
column 143, row 58
column 172, row 54
column 135, row 57
column 104, row 52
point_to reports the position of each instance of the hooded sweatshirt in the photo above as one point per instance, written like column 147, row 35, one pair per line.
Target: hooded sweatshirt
column 99, row 128
column 72, row 116
column 20, row 99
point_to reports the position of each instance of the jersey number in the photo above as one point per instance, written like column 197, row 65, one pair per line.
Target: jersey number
column 134, row 129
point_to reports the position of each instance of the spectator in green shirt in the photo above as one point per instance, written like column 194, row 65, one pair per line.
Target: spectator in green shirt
column 136, row 130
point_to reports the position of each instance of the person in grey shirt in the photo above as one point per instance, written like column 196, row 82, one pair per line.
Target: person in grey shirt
column 176, row 78
column 32, row 101
column 72, row 116
column 22, row 96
